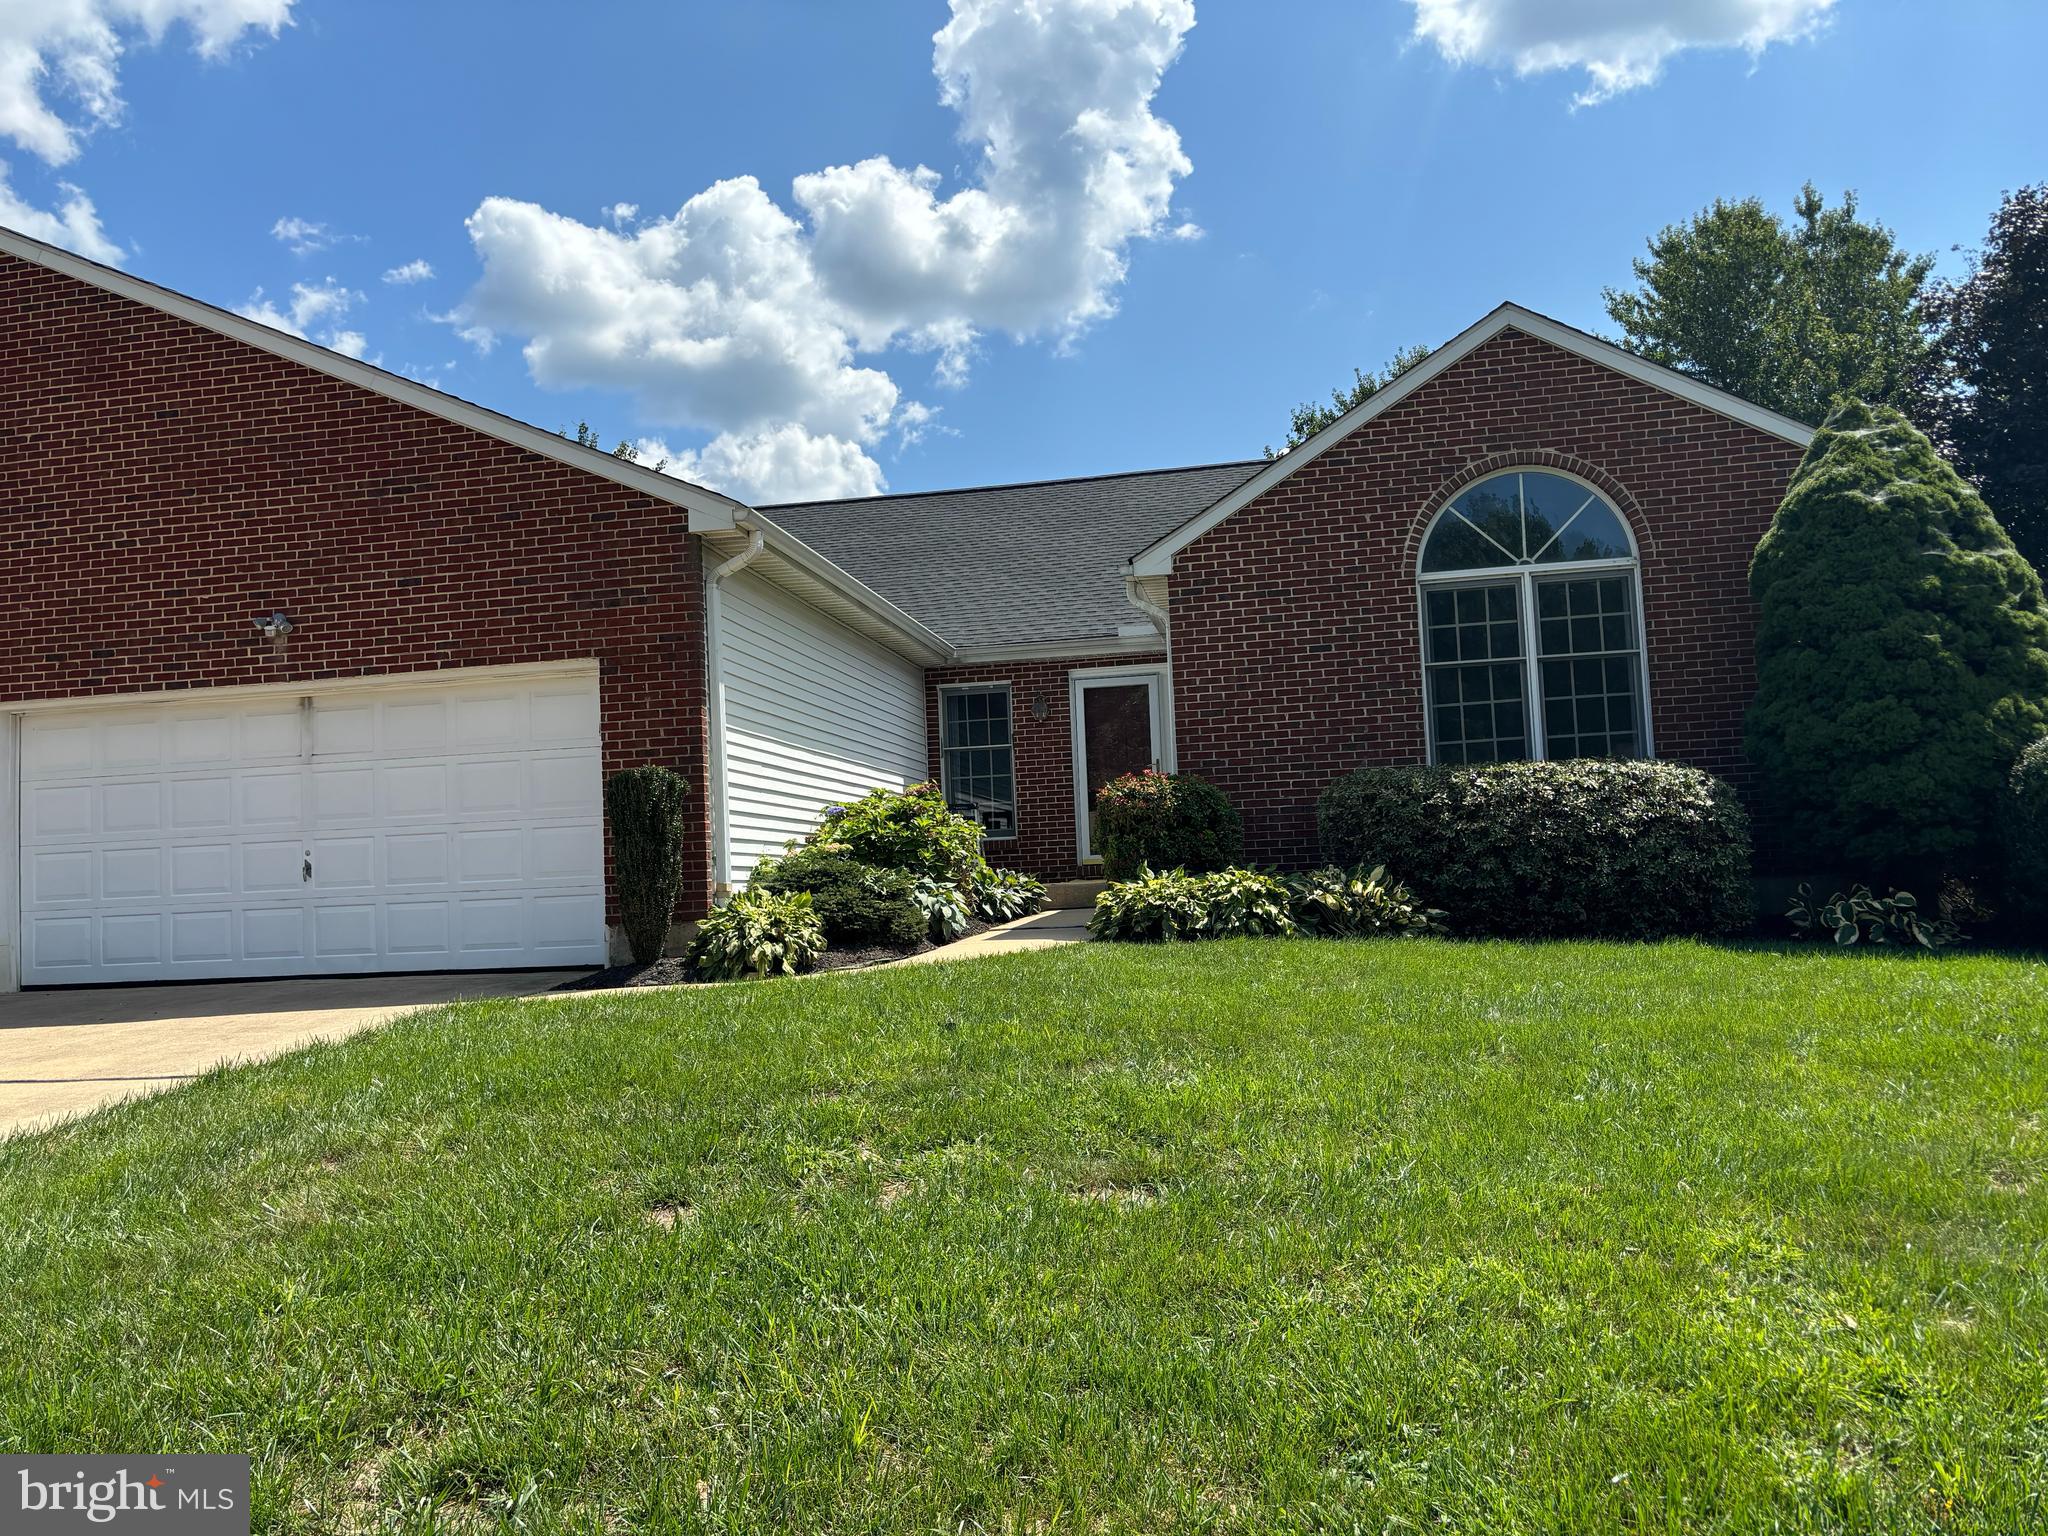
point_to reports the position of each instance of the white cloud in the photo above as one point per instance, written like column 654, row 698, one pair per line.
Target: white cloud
column 621, row 214
column 785, row 463
column 75, row 225
column 303, row 236
column 1620, row 44
column 312, row 306
column 416, row 271
column 737, row 317
column 71, row 50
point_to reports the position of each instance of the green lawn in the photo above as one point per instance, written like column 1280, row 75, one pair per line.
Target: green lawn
column 1257, row 1236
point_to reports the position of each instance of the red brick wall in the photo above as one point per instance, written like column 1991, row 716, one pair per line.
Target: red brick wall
column 1297, row 654
column 161, row 485
column 1045, row 844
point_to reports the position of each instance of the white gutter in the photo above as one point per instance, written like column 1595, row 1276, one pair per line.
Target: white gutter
column 1158, row 615
column 714, row 682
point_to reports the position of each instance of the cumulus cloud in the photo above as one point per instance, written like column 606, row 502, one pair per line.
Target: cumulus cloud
column 74, row 224
column 738, row 316
column 60, row 78
column 314, row 313
column 415, row 271
column 1619, row 44
column 70, row 50
column 785, row 463
column 302, row 236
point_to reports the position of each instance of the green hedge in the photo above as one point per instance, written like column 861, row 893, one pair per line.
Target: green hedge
column 2024, row 829
column 859, row 906
column 1165, row 821
column 1553, row 850
column 648, row 809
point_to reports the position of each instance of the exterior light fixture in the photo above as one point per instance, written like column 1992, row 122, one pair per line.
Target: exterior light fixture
column 1041, row 705
column 275, row 629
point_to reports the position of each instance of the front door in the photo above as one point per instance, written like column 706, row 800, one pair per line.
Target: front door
column 1119, row 728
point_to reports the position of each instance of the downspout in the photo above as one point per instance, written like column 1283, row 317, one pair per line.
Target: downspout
column 1164, row 625
column 714, row 669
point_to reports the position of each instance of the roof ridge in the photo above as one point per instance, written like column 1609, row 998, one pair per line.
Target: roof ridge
column 1011, row 485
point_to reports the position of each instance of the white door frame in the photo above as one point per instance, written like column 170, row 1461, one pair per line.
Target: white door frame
column 1160, row 677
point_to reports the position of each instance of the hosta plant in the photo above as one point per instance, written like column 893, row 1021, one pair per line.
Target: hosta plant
column 945, row 909
column 1177, row 906
column 1008, row 894
column 1862, row 918
column 1359, row 903
column 758, row 933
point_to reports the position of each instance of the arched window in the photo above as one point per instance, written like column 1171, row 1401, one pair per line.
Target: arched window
column 1529, row 592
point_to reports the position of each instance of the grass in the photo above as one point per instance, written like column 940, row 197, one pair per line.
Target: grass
column 1257, row 1236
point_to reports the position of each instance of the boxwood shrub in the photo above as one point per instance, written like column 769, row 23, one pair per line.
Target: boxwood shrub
column 859, row 906
column 2024, row 833
column 1553, row 850
column 1165, row 821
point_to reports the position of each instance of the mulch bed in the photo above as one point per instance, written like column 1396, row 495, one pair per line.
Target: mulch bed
column 674, row 971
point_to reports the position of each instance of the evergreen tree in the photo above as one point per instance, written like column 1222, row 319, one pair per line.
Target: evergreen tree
column 1990, row 374
column 1902, row 656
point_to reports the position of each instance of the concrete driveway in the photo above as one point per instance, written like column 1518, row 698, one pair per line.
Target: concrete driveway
column 64, row 1052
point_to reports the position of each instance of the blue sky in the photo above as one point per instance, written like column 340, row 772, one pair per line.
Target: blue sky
column 1367, row 175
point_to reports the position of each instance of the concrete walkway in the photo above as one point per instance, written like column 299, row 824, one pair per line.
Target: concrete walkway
column 67, row 1051
column 1062, row 925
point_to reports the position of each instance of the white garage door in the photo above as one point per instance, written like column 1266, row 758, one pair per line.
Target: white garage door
column 445, row 827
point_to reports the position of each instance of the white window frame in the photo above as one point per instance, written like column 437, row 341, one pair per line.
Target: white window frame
column 1160, row 677
column 1008, row 690
column 1527, row 577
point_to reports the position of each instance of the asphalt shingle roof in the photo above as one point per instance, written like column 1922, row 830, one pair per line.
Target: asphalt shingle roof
column 1011, row 564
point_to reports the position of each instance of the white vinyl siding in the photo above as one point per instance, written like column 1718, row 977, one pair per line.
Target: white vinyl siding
column 815, row 715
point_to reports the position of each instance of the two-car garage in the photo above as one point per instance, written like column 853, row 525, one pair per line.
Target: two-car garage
column 424, row 822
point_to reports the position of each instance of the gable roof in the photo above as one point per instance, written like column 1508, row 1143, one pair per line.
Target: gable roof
column 1028, row 565
column 1156, row 558
column 788, row 563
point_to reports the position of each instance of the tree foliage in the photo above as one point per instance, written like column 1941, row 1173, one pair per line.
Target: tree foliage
column 1794, row 317
column 1309, row 418
column 585, row 436
column 1902, row 654
column 647, row 809
column 1988, row 397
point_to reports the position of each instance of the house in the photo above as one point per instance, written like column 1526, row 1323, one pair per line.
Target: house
column 309, row 668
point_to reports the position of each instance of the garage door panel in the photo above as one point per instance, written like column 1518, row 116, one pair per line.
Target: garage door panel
column 445, row 825
column 202, row 938
column 132, row 874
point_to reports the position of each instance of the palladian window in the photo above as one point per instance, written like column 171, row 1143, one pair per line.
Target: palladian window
column 1532, row 638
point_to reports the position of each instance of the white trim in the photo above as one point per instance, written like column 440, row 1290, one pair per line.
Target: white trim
column 1163, row 751
column 308, row 354
column 1008, row 688
column 714, row 679
column 1062, row 650
column 419, row 677
column 1156, row 559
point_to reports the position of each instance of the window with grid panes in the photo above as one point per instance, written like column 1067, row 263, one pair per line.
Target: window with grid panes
column 1532, row 645
column 977, row 756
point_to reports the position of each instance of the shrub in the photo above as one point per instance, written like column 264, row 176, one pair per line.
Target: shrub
column 758, row 933
column 1165, row 821
column 943, row 909
column 645, row 807
column 1358, row 903
column 858, row 905
column 2024, row 828
column 1593, row 848
column 907, row 829
column 1157, row 909
column 1008, row 894
column 1861, row 918
column 1902, row 654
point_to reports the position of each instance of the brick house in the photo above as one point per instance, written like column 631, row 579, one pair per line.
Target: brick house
column 308, row 668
